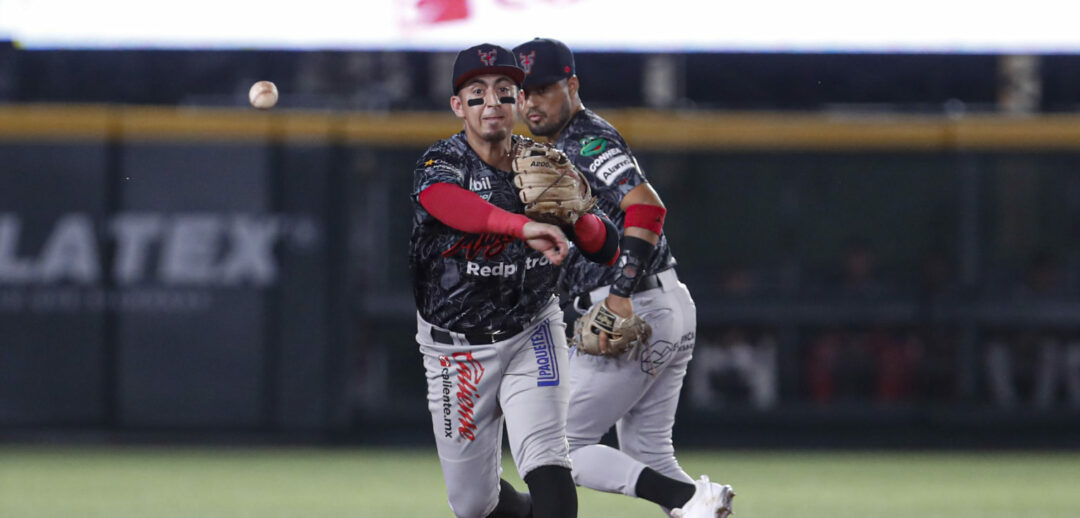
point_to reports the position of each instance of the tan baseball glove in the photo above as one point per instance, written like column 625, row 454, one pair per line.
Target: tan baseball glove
column 552, row 189
column 624, row 334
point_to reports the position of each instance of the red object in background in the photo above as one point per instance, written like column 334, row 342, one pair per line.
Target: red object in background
column 821, row 366
column 436, row 11
column 839, row 358
column 898, row 361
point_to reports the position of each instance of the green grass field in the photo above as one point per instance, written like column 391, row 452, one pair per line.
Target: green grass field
column 126, row 482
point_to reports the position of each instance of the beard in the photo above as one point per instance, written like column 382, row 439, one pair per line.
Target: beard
column 495, row 135
column 552, row 125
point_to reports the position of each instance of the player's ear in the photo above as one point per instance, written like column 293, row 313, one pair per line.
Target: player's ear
column 521, row 99
column 455, row 104
column 572, row 86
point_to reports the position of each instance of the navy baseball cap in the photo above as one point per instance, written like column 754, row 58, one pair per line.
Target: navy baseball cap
column 545, row 61
column 485, row 58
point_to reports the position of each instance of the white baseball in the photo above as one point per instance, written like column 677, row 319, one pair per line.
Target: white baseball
column 263, row 95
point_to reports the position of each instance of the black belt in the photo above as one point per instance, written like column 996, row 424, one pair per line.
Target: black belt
column 476, row 338
column 647, row 283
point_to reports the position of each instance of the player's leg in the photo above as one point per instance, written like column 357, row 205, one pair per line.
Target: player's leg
column 463, row 383
column 602, row 390
column 672, row 318
column 645, row 431
column 534, row 398
column 645, row 435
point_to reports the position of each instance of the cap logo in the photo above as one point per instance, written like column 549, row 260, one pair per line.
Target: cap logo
column 488, row 57
column 527, row 61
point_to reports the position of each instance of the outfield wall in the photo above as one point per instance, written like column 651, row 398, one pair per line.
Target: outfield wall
column 207, row 270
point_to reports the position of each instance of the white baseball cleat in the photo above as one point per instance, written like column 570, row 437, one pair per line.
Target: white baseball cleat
column 711, row 500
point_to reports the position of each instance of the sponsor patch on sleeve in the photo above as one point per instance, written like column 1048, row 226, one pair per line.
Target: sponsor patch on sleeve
column 610, row 172
column 607, row 166
column 592, row 146
column 442, row 169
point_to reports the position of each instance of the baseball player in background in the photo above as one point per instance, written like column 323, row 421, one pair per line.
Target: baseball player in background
column 636, row 391
column 488, row 323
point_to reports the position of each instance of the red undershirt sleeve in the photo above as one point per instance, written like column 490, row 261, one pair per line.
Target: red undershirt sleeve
column 597, row 238
column 466, row 211
column 590, row 232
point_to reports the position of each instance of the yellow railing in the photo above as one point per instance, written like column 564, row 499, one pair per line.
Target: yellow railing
column 644, row 129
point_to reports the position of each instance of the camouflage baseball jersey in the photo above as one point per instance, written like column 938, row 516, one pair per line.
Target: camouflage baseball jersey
column 473, row 282
column 598, row 150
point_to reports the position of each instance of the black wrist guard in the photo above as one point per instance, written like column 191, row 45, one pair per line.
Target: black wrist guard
column 635, row 254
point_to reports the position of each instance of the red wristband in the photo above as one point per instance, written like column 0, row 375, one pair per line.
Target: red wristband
column 648, row 217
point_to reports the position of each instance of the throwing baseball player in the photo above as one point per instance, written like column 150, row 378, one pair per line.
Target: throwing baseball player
column 632, row 384
column 484, row 276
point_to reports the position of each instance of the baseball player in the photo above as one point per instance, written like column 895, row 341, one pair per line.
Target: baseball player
column 636, row 391
column 488, row 323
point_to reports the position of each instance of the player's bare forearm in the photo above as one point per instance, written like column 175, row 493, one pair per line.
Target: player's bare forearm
column 621, row 306
column 641, row 233
column 641, row 196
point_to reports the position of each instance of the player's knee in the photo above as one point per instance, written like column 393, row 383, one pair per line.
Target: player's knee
column 656, row 453
column 630, row 444
column 578, row 457
column 543, row 449
column 580, row 436
column 577, row 443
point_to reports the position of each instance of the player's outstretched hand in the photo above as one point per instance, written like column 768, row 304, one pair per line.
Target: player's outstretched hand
column 546, row 238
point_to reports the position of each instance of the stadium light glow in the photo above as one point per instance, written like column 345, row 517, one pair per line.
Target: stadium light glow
column 953, row 26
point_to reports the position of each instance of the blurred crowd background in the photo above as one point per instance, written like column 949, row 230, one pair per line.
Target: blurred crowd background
column 882, row 246
column 928, row 83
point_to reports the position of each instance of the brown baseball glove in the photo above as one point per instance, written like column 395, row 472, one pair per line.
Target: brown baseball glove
column 624, row 334
column 552, row 189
